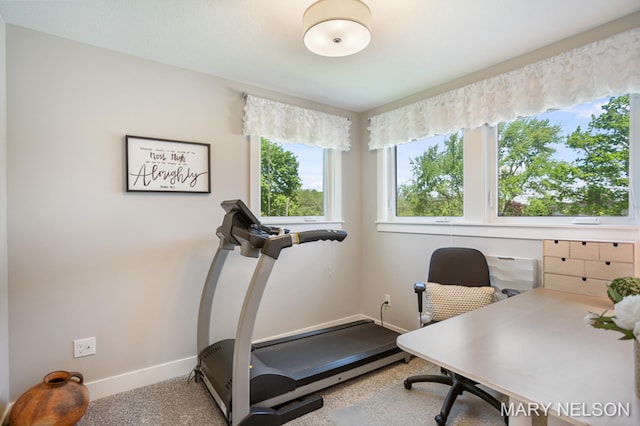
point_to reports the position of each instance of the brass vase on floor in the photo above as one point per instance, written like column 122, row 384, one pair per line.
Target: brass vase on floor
column 61, row 399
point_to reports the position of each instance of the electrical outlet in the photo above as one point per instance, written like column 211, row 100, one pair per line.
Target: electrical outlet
column 84, row 347
column 387, row 299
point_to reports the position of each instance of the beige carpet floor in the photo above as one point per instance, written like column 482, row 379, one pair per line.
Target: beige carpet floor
column 375, row 399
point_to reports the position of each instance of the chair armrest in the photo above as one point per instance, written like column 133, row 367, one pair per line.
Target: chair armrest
column 510, row 292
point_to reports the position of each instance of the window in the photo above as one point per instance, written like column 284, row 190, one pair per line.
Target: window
column 291, row 179
column 294, row 182
column 571, row 162
column 429, row 177
column 288, row 185
column 577, row 166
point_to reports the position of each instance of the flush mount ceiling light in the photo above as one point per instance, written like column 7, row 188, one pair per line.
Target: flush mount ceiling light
column 337, row 27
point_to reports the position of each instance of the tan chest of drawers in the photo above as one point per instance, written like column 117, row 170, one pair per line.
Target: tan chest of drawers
column 586, row 267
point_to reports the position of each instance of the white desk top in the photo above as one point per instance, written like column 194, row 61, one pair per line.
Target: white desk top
column 536, row 348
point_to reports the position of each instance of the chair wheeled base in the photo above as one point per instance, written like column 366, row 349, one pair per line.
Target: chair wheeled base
column 458, row 384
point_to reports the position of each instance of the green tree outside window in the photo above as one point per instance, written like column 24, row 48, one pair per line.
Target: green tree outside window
column 281, row 192
column 533, row 180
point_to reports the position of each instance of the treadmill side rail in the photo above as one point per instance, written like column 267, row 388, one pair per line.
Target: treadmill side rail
column 240, row 394
column 208, row 292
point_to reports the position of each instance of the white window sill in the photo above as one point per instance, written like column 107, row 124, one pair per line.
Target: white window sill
column 516, row 231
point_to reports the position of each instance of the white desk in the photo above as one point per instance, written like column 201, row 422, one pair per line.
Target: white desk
column 536, row 348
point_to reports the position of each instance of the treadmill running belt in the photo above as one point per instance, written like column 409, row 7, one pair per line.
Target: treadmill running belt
column 305, row 359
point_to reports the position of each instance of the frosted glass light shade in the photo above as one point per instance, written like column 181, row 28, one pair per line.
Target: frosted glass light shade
column 337, row 27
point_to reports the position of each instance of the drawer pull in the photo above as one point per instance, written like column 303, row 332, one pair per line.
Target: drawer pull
column 555, row 241
column 615, row 244
column 584, row 243
column 607, row 263
column 584, row 278
column 563, row 258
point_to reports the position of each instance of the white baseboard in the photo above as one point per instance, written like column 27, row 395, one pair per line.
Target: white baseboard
column 4, row 419
column 390, row 326
column 129, row 381
column 340, row 321
column 138, row 378
column 158, row 373
column 314, row 328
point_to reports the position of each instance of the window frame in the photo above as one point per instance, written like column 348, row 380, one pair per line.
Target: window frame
column 480, row 147
column 332, row 189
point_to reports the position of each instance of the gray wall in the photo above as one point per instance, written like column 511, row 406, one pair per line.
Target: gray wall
column 88, row 259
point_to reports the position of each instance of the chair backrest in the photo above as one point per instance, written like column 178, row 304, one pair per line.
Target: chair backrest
column 459, row 266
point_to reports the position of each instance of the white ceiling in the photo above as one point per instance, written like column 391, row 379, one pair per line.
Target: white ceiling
column 416, row 44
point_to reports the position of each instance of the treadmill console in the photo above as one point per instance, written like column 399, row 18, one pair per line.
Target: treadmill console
column 239, row 206
column 241, row 228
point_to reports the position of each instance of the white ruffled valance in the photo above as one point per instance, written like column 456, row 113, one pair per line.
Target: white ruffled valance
column 609, row 67
column 281, row 122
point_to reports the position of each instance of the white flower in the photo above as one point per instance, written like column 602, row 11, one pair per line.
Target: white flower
column 589, row 319
column 627, row 312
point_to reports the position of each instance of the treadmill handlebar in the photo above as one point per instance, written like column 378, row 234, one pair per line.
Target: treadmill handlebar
column 274, row 245
column 320, row 234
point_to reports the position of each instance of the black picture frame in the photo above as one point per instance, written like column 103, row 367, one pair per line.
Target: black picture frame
column 165, row 165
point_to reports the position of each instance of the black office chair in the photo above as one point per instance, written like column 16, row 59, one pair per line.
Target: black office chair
column 455, row 266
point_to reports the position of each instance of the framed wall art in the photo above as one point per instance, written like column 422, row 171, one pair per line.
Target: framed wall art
column 163, row 165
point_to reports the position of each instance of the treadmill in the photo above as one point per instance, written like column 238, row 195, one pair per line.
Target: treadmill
column 271, row 383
